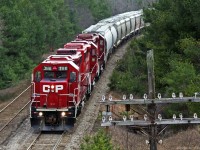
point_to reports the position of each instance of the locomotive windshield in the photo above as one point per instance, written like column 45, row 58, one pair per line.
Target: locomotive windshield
column 55, row 74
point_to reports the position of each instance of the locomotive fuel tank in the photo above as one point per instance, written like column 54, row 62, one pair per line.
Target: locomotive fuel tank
column 54, row 99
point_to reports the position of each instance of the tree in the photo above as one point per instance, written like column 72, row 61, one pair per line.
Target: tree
column 30, row 29
column 174, row 35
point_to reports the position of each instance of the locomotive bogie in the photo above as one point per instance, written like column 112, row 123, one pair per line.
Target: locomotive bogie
column 53, row 120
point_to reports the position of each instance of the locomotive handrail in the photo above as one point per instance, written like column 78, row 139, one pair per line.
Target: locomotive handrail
column 75, row 95
column 93, row 68
column 85, row 76
column 33, row 83
column 15, row 98
column 101, row 55
column 36, row 95
column 70, row 94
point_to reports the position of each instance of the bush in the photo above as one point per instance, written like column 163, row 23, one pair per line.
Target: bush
column 130, row 74
column 99, row 141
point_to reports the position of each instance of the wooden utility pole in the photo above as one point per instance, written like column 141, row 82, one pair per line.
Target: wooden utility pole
column 151, row 93
column 151, row 120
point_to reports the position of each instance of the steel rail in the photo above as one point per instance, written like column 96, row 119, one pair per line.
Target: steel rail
column 58, row 141
column 15, row 98
column 32, row 144
column 14, row 116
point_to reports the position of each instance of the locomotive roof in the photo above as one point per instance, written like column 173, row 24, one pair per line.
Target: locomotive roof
column 62, row 59
column 78, row 45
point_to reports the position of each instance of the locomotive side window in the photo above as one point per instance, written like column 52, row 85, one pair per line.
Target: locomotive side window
column 38, row 76
column 72, row 77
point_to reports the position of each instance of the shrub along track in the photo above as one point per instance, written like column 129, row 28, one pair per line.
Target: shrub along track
column 24, row 136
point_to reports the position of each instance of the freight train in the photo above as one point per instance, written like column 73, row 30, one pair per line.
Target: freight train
column 62, row 82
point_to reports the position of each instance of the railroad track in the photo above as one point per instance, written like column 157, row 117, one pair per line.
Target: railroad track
column 13, row 114
column 48, row 141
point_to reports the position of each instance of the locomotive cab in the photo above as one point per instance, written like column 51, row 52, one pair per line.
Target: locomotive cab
column 55, row 101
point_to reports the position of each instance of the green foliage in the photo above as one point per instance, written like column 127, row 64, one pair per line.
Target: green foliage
column 176, row 109
column 182, row 78
column 130, row 74
column 99, row 141
column 30, row 29
column 173, row 34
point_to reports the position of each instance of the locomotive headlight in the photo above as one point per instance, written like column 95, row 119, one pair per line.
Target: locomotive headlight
column 63, row 114
column 40, row 114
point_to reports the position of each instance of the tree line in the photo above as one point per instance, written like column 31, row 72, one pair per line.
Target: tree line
column 173, row 34
column 29, row 29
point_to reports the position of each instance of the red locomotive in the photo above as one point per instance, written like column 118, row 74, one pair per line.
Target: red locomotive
column 62, row 82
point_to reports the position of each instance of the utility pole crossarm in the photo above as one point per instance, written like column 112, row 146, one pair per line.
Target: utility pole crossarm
column 147, row 123
column 151, row 101
column 151, row 120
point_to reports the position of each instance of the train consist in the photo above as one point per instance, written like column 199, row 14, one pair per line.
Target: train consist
column 62, row 82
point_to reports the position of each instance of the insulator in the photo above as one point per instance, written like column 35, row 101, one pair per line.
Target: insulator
column 181, row 95
column 131, row 96
column 103, row 119
column 174, row 116
column 131, row 117
column 159, row 96
column 195, row 116
column 147, row 142
column 103, row 98
column 110, row 118
column 160, row 141
column 181, row 116
column 145, row 117
column 173, row 95
column 159, row 117
column 145, row 96
column 124, row 118
column 110, row 98
column 124, row 97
